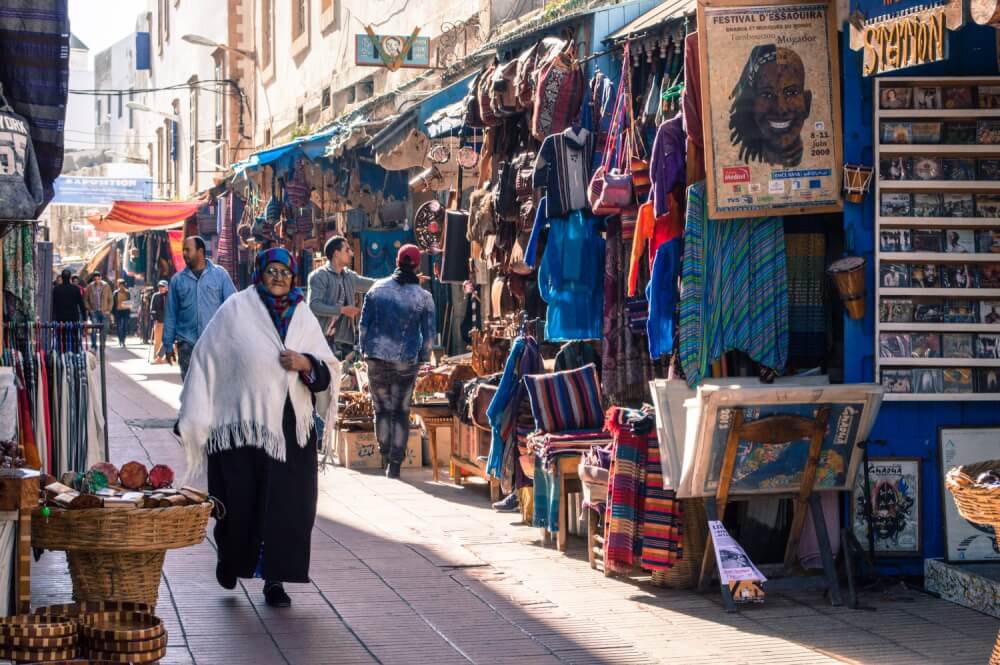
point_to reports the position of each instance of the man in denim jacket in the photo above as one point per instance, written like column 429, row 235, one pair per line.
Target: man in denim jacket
column 194, row 295
column 397, row 334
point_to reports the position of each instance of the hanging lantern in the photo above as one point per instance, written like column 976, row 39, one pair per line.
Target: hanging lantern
column 857, row 182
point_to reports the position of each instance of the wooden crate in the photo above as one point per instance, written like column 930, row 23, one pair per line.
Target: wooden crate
column 359, row 449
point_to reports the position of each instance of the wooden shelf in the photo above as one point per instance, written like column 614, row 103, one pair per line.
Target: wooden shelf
column 939, row 257
column 942, row 185
column 942, row 397
column 945, row 363
column 940, row 327
column 938, row 149
column 940, row 222
column 938, row 114
column 964, row 294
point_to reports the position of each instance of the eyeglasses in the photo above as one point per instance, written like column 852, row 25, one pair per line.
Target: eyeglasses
column 278, row 273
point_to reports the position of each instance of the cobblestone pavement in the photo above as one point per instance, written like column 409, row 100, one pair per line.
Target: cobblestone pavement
column 416, row 572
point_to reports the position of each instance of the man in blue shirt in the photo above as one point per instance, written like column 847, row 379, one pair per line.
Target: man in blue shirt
column 194, row 295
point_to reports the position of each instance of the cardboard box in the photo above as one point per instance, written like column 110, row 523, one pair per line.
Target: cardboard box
column 359, row 450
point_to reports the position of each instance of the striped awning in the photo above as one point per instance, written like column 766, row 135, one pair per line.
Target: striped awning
column 137, row 216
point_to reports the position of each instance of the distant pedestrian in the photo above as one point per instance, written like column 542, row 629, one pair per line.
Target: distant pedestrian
column 67, row 301
column 248, row 406
column 98, row 301
column 158, row 311
column 195, row 294
column 123, row 311
column 332, row 292
column 397, row 334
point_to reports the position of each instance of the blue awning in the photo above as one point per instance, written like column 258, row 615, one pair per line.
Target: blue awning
column 311, row 147
column 417, row 115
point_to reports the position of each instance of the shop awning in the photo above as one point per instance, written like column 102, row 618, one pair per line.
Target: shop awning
column 418, row 114
column 137, row 216
column 449, row 121
column 311, row 147
column 654, row 18
column 98, row 256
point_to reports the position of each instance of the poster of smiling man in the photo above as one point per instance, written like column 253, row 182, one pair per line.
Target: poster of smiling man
column 771, row 109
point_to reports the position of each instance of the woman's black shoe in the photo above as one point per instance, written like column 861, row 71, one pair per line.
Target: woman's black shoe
column 275, row 596
column 226, row 580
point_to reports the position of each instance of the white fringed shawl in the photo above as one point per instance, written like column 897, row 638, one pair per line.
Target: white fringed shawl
column 235, row 390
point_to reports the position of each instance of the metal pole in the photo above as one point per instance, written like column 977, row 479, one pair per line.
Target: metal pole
column 104, row 397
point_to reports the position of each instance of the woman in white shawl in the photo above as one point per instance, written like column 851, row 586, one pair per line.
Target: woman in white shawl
column 247, row 405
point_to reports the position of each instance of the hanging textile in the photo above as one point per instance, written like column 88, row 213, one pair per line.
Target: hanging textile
column 806, row 257
column 55, row 381
column 734, row 290
column 19, row 268
column 230, row 211
column 34, row 71
column 505, row 407
column 625, row 364
column 621, row 527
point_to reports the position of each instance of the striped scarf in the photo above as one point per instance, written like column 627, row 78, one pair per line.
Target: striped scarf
column 734, row 290
column 621, row 528
column 662, row 528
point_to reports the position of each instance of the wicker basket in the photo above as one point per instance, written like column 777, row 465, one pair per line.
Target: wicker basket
column 684, row 575
column 976, row 503
column 118, row 555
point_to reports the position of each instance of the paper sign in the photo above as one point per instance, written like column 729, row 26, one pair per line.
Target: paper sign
column 734, row 564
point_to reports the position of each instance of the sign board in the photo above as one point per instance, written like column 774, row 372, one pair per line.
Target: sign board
column 734, row 563
column 908, row 38
column 392, row 51
column 91, row 191
column 771, row 108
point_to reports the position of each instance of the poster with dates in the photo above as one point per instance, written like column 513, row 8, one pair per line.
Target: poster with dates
column 771, row 109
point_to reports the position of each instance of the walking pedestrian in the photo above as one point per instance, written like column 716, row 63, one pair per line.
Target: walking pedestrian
column 67, row 301
column 194, row 296
column 123, row 311
column 158, row 310
column 247, row 405
column 397, row 334
column 332, row 290
column 98, row 302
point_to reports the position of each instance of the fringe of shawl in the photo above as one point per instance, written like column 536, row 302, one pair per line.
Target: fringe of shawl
column 245, row 434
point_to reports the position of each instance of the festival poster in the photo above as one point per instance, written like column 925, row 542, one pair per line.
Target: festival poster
column 771, row 109
column 893, row 497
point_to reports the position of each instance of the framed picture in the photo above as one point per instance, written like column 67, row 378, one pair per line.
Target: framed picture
column 896, row 168
column 927, row 381
column 896, row 204
column 893, row 501
column 896, row 98
column 765, row 156
column 959, row 133
column 957, row 97
column 956, row 345
column 956, row 168
column 987, row 346
column 894, row 276
column 897, row 380
column 987, row 205
column 926, row 98
column 957, row 380
column 958, row 205
column 898, row 133
column 928, row 168
column 960, row 241
column 988, row 132
column 989, row 312
column 989, row 96
column 964, row 540
column 927, row 205
column 988, row 379
column 924, row 276
column 895, row 240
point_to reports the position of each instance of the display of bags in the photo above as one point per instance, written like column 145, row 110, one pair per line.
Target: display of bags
column 558, row 95
column 484, row 93
column 610, row 187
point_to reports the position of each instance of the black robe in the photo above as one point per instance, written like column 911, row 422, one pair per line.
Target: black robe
column 268, row 502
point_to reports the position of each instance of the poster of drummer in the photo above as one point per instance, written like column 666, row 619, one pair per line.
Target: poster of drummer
column 770, row 108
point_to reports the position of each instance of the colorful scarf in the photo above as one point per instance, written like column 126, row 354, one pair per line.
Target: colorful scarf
column 623, row 516
column 281, row 308
column 662, row 529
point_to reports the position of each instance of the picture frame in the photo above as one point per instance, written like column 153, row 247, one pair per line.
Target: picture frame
column 757, row 166
column 957, row 97
column 959, row 241
column 988, row 205
column 957, row 380
column 958, row 204
column 957, row 345
column 894, row 501
column 927, row 205
column 965, row 541
column 927, row 381
column 896, row 168
column 987, row 379
column 897, row 380
column 895, row 240
column 894, row 276
column 988, row 346
column 892, row 97
column 928, row 168
column 958, row 168
column 896, row 204
column 927, row 98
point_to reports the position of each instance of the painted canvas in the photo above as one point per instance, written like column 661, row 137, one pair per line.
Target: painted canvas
column 964, row 540
column 893, row 496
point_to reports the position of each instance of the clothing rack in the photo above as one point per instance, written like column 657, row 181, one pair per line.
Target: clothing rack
column 71, row 337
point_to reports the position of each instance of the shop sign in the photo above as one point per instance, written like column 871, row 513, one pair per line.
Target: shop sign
column 904, row 39
column 770, row 108
column 392, row 51
column 89, row 191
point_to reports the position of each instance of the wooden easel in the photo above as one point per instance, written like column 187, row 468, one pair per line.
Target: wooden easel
column 770, row 431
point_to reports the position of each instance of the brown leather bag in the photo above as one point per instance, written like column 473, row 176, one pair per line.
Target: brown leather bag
column 489, row 352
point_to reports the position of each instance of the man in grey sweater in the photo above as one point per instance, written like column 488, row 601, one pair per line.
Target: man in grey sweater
column 332, row 292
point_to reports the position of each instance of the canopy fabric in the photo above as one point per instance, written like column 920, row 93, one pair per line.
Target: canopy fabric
column 137, row 216
column 654, row 18
column 98, row 256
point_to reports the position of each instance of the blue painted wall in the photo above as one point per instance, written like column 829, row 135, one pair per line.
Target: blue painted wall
column 909, row 428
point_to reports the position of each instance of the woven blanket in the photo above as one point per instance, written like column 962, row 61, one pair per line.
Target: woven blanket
column 546, row 496
column 621, row 525
column 662, row 529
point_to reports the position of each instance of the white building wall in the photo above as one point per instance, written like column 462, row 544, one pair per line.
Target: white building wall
column 120, row 130
column 80, row 108
column 302, row 69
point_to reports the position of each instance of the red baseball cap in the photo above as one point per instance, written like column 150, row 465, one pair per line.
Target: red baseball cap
column 409, row 254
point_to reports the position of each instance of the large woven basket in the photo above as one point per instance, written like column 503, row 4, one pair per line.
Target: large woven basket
column 684, row 574
column 118, row 555
column 975, row 502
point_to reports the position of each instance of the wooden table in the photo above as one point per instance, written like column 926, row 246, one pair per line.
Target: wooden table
column 568, row 466
column 433, row 415
column 18, row 497
column 462, row 466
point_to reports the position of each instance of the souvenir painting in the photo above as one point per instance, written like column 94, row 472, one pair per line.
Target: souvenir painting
column 895, row 240
column 896, row 168
column 893, row 345
column 896, row 98
column 988, row 346
column 897, row 380
column 927, row 98
column 927, row 381
column 896, row 310
column 767, row 153
column 896, row 204
column 894, row 275
column 964, row 540
column 957, row 380
column 957, row 97
column 987, row 380
column 889, row 505
column 927, row 205
column 958, row 205
column 956, row 168
column 960, row 241
column 957, row 345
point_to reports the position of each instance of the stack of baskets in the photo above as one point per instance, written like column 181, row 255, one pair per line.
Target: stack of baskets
column 123, row 637
column 979, row 503
column 30, row 638
column 118, row 554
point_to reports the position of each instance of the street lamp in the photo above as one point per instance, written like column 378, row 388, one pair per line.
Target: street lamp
column 136, row 106
column 205, row 41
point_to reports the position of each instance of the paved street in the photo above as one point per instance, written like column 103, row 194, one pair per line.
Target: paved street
column 417, row 572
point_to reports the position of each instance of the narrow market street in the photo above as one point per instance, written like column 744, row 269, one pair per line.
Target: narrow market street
column 417, row 572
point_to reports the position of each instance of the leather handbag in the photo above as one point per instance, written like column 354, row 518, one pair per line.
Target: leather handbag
column 392, row 212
